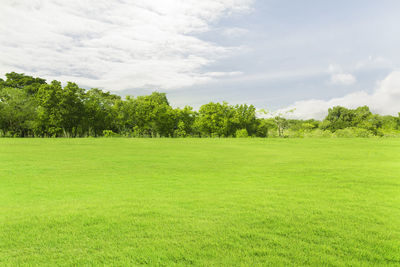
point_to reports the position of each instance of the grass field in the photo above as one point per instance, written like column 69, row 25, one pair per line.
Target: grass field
column 248, row 202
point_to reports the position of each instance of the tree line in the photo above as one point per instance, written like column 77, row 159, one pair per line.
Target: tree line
column 31, row 107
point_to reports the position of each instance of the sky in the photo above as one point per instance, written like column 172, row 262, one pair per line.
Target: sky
column 279, row 55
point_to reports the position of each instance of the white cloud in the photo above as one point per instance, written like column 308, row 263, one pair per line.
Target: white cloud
column 113, row 44
column 343, row 78
column 338, row 76
column 384, row 100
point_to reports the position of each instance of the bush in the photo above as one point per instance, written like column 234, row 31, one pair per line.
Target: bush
column 353, row 132
column 318, row 133
column 389, row 133
column 344, row 133
column 294, row 134
column 140, row 132
column 109, row 133
column 360, row 132
column 242, row 133
column 215, row 135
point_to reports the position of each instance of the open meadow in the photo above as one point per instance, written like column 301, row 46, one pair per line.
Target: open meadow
column 248, row 202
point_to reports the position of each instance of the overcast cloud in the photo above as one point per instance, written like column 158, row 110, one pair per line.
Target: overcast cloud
column 114, row 44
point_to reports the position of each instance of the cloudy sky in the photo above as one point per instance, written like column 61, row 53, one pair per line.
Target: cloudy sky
column 276, row 54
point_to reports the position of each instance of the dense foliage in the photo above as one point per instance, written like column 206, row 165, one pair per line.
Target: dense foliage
column 30, row 107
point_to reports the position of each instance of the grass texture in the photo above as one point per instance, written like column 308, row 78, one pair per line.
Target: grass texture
column 203, row 202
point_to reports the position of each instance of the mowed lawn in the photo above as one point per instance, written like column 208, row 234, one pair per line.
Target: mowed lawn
column 205, row 202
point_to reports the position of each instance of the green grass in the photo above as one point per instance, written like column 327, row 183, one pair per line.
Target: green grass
column 247, row 202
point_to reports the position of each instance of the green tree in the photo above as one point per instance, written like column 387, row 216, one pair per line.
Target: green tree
column 17, row 112
column 31, row 107
column 154, row 116
column 338, row 118
column 99, row 112
column 49, row 116
column 180, row 130
column 216, row 119
column 244, row 117
column 125, row 114
column 72, row 109
column 282, row 124
column 185, row 118
column 264, row 127
column 21, row 81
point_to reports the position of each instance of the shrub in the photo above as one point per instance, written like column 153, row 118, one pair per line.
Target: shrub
column 353, row 132
column 344, row 133
column 294, row 134
column 215, row 135
column 242, row 133
column 389, row 133
column 318, row 133
column 360, row 132
column 109, row 133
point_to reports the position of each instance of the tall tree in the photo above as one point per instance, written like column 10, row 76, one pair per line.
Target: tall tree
column 71, row 107
column 185, row 121
column 49, row 115
column 215, row 119
column 22, row 81
column 17, row 112
column 339, row 118
column 245, row 118
column 154, row 116
column 99, row 112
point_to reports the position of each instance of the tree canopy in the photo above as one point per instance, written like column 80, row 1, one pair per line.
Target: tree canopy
column 31, row 107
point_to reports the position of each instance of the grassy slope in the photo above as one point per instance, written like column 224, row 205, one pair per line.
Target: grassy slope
column 200, row 201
